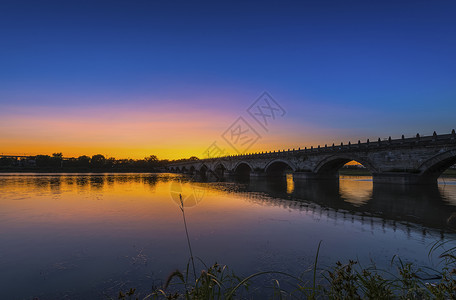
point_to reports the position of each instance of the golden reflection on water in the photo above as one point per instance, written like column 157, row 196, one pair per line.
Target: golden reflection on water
column 47, row 219
column 290, row 184
column 40, row 192
column 447, row 187
column 85, row 199
column 138, row 200
column 144, row 199
column 356, row 190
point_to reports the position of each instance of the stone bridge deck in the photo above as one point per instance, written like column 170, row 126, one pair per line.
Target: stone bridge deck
column 417, row 160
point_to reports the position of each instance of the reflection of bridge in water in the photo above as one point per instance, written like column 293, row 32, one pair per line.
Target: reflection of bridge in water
column 398, row 206
column 417, row 160
column 350, row 199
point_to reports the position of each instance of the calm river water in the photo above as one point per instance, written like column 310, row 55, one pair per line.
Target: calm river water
column 88, row 236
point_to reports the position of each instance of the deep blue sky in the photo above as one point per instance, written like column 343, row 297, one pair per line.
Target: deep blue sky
column 359, row 68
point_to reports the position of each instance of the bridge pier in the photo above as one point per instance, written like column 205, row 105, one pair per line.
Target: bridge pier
column 258, row 174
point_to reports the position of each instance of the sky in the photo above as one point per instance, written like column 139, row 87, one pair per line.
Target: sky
column 130, row 79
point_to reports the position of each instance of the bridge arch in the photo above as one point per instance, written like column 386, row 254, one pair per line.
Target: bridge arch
column 192, row 170
column 243, row 168
column 331, row 165
column 203, row 171
column 203, row 168
column 278, row 167
column 435, row 166
column 219, row 164
column 220, row 170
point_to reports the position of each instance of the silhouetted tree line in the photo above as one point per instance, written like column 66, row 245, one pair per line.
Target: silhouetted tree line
column 193, row 158
column 97, row 162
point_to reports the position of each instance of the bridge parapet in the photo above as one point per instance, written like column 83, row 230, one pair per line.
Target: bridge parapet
column 418, row 159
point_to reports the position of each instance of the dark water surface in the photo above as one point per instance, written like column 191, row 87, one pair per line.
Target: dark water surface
column 87, row 236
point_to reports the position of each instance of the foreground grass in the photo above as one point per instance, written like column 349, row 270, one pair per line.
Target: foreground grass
column 342, row 281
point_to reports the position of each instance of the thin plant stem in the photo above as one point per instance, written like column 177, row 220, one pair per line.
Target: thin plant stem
column 186, row 233
column 315, row 270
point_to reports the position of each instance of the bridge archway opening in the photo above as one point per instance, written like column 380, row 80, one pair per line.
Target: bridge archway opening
column 442, row 167
column 220, row 171
column 334, row 167
column 184, row 170
column 279, row 168
column 354, row 168
column 203, row 172
column 243, row 170
column 192, row 170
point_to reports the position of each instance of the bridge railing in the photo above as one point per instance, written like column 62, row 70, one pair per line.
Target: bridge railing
column 417, row 140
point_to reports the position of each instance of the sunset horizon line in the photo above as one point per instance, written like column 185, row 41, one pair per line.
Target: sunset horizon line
column 139, row 157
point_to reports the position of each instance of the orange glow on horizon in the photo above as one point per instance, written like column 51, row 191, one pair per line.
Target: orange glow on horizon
column 113, row 133
column 128, row 132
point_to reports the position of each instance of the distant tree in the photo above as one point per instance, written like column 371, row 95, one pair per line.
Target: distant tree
column 164, row 163
column 151, row 158
column 70, row 163
column 121, row 163
column 110, row 162
column 150, row 162
column 97, row 161
column 43, row 161
column 83, row 161
column 193, row 158
column 6, row 162
column 56, row 160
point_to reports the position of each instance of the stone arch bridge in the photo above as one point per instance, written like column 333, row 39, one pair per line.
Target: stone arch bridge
column 416, row 160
